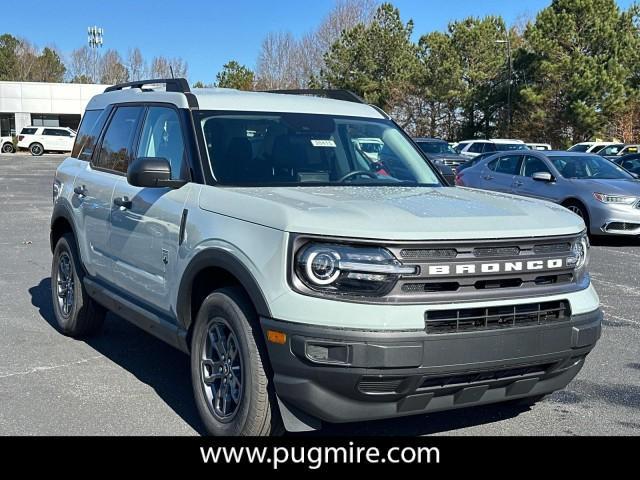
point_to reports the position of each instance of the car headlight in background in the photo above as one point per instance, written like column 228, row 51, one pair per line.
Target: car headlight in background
column 618, row 199
column 348, row 270
column 580, row 253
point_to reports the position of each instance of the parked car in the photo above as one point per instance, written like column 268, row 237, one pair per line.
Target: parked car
column 589, row 147
column 539, row 146
column 437, row 149
column 630, row 162
column 39, row 140
column 306, row 284
column 6, row 145
column 618, row 150
column 604, row 195
column 610, row 150
column 472, row 148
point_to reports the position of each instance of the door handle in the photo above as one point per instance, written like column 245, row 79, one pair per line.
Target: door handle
column 518, row 183
column 81, row 191
column 122, row 202
column 488, row 177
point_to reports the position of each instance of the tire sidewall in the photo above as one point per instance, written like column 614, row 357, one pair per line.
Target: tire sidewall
column 66, row 245
column 7, row 148
column 220, row 305
column 36, row 145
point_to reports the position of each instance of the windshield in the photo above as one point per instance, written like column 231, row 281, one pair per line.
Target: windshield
column 262, row 149
column 588, row 166
column 436, row 147
column 580, row 147
column 501, row 147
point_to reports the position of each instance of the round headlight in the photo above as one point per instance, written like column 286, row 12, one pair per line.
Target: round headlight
column 581, row 251
column 322, row 267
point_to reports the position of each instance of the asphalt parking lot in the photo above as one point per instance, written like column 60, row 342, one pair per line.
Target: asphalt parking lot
column 126, row 382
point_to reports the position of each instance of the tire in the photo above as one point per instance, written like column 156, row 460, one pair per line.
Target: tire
column 36, row 149
column 580, row 210
column 236, row 398
column 8, row 148
column 82, row 316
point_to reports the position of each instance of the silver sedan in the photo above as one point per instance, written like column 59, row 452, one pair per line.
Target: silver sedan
column 606, row 196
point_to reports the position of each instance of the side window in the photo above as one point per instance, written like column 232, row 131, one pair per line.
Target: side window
column 162, row 137
column 533, row 165
column 51, row 132
column 90, row 127
column 458, row 148
column 509, row 164
column 489, row 147
column 115, row 151
column 476, row 147
column 28, row 131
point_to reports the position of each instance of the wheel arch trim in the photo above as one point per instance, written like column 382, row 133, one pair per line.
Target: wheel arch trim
column 217, row 258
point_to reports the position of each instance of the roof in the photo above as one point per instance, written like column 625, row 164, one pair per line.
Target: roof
column 429, row 139
column 226, row 99
column 491, row 140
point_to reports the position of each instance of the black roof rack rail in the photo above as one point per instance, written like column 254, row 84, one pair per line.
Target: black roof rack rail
column 172, row 85
column 335, row 94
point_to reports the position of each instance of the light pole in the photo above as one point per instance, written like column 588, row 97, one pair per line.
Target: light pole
column 507, row 41
column 95, row 42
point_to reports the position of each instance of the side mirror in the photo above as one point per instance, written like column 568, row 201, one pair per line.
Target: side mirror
column 542, row 177
column 152, row 172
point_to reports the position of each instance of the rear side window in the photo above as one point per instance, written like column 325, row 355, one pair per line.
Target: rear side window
column 458, row 148
column 56, row 132
column 476, row 147
column 88, row 134
column 115, row 151
column 509, row 164
column 28, row 131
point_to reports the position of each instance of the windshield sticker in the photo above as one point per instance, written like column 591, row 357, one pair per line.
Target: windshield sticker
column 323, row 143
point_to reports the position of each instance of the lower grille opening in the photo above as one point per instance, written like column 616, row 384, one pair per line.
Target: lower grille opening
column 491, row 318
column 624, row 226
column 498, row 283
column 380, row 384
column 464, row 380
column 552, row 279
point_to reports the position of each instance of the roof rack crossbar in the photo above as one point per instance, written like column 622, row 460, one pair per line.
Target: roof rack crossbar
column 337, row 94
column 172, row 85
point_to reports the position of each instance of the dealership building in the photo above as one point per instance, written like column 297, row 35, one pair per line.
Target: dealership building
column 43, row 104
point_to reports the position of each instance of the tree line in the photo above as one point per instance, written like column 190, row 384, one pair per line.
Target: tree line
column 22, row 61
column 569, row 74
column 573, row 72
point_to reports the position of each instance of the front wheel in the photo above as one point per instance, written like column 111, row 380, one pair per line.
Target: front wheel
column 36, row 149
column 76, row 313
column 231, row 385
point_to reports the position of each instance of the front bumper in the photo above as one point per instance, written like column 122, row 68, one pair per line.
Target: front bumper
column 611, row 219
column 391, row 374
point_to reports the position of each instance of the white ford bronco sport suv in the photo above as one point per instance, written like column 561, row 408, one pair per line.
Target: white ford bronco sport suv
column 307, row 282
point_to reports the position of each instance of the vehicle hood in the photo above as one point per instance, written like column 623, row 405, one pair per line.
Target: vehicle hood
column 396, row 213
column 452, row 156
column 616, row 187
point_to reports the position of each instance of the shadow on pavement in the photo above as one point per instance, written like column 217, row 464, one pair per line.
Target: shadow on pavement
column 153, row 362
column 166, row 370
column 608, row 241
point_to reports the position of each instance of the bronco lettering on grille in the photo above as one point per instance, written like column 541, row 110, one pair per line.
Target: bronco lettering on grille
column 495, row 267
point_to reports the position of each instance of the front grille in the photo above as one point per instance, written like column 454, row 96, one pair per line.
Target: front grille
column 496, row 251
column 552, row 248
column 420, row 253
column 489, row 376
column 493, row 318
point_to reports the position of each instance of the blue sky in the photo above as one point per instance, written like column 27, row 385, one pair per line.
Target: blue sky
column 208, row 33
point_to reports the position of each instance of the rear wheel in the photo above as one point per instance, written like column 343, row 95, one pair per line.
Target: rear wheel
column 76, row 313
column 231, row 385
column 8, row 148
column 36, row 149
